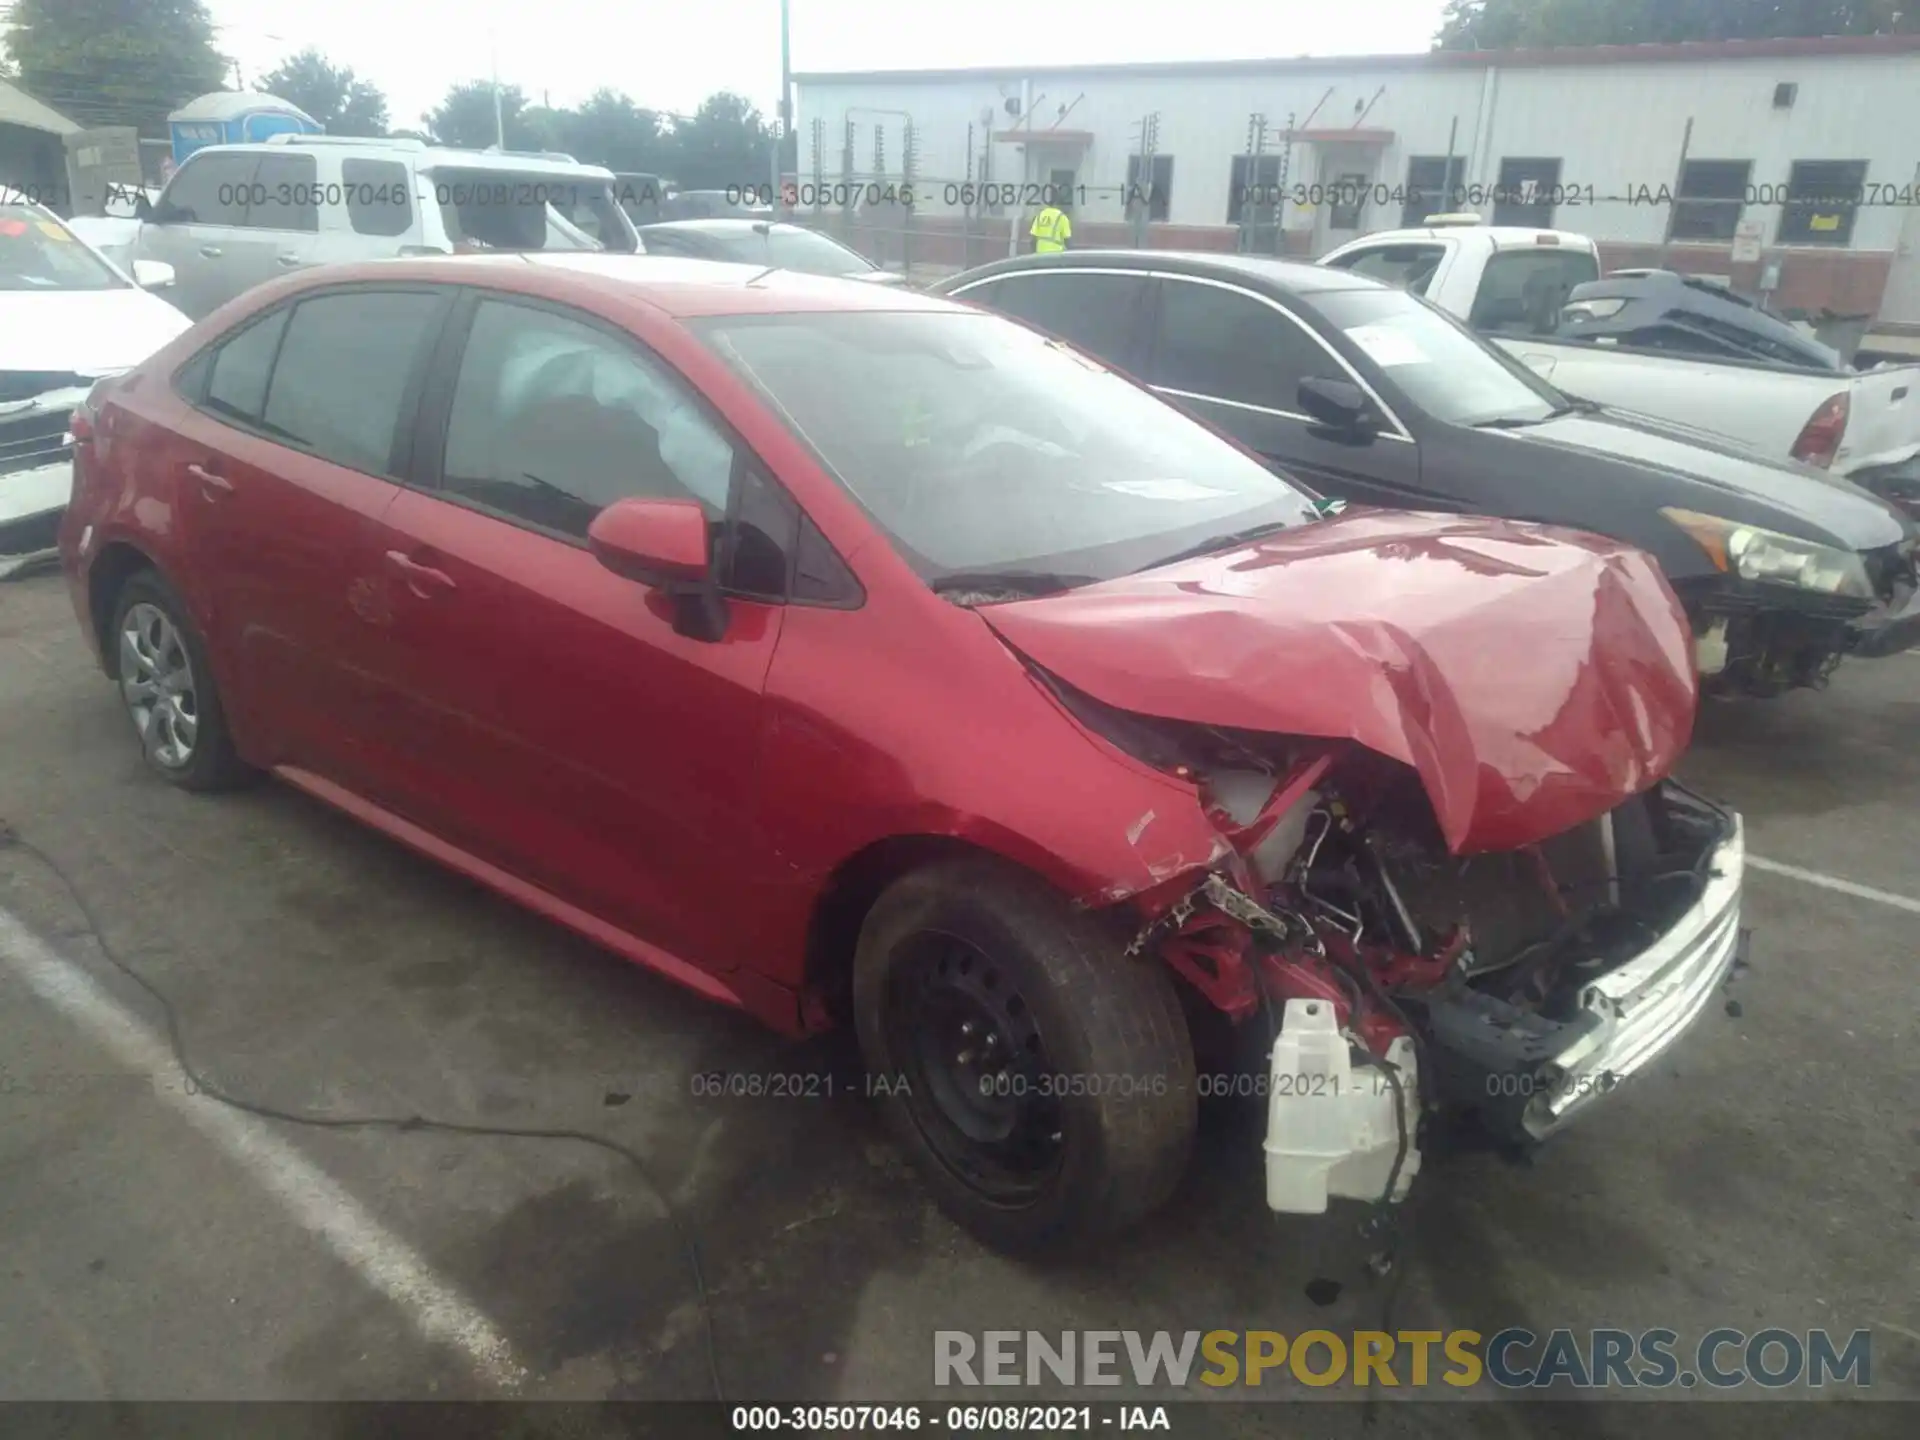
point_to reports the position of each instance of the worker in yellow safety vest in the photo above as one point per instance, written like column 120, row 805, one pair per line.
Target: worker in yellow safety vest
column 1051, row 230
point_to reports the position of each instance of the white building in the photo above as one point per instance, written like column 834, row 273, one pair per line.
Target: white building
column 1698, row 155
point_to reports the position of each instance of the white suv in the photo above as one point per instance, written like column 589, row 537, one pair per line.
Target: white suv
column 234, row 216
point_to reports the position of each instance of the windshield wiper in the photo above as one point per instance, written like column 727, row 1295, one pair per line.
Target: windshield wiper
column 1018, row 582
column 1216, row 543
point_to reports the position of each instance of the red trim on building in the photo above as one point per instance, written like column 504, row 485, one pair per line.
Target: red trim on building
column 1689, row 51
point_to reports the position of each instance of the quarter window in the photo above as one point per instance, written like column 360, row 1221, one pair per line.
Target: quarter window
column 340, row 384
column 237, row 381
column 1227, row 345
column 378, row 198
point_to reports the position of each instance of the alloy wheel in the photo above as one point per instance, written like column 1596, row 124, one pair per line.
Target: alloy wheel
column 156, row 681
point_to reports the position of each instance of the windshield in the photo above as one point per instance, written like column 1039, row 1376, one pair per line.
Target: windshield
column 500, row 210
column 792, row 248
column 1439, row 364
column 37, row 252
column 977, row 445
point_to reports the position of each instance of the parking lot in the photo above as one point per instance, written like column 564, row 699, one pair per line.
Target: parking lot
column 160, row 1246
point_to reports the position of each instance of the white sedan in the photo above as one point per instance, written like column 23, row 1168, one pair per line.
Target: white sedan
column 68, row 317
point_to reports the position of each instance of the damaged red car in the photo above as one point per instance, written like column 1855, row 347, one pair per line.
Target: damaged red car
column 849, row 655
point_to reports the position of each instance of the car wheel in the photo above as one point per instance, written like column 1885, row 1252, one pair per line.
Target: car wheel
column 1041, row 1078
column 167, row 686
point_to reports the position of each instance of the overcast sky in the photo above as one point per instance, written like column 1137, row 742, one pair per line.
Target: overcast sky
column 671, row 54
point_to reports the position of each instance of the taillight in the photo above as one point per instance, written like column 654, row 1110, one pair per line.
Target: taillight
column 80, row 427
column 1820, row 439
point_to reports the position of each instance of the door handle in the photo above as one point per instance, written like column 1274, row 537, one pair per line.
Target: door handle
column 289, row 260
column 212, row 252
column 422, row 580
column 213, row 486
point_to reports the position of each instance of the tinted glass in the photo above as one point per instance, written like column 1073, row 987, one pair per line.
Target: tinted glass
column 1099, row 313
column 1822, row 198
column 554, row 419
column 1440, row 366
column 237, row 383
column 1711, row 197
column 341, row 379
column 1522, row 291
column 759, row 545
column 1410, row 267
column 975, row 444
column 37, row 252
column 209, row 190
column 378, row 197
column 1229, row 346
column 284, row 195
column 1526, row 192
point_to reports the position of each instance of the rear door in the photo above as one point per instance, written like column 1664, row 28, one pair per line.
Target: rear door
column 1102, row 312
column 543, row 713
column 302, row 418
column 1236, row 359
column 280, row 230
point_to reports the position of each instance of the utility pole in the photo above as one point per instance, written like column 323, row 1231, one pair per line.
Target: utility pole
column 784, row 112
column 499, row 122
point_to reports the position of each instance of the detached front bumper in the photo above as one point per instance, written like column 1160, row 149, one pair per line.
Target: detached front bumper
column 1641, row 1008
column 1890, row 629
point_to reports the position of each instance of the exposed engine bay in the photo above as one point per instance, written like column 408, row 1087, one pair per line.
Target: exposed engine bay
column 1389, row 980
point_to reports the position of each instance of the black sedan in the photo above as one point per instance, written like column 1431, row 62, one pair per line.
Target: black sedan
column 1370, row 394
column 763, row 242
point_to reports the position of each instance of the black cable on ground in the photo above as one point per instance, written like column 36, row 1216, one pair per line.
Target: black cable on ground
column 406, row 1124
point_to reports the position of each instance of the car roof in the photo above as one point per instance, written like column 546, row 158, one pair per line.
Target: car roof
column 427, row 157
column 1290, row 276
column 726, row 225
column 1502, row 236
column 682, row 288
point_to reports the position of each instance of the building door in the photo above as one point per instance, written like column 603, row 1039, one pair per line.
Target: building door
column 1900, row 305
column 1344, row 180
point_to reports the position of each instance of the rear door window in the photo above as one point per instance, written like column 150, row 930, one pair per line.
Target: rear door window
column 379, row 197
column 1102, row 314
column 1225, row 344
column 285, row 194
column 1522, row 291
column 341, row 382
column 1411, row 267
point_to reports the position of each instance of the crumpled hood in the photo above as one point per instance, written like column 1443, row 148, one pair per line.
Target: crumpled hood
column 1534, row 678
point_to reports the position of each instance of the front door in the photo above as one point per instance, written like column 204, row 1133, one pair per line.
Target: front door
column 199, row 215
column 283, row 465
column 1236, row 360
column 544, row 713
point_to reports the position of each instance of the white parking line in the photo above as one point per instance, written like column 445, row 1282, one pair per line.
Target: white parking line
column 1833, row 882
column 387, row 1263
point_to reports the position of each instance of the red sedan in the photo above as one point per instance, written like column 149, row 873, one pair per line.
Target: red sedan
column 848, row 654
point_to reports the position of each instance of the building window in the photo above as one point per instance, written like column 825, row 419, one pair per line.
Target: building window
column 1254, row 189
column 1350, row 201
column 1153, row 187
column 1525, row 194
column 1822, row 198
column 1712, row 195
column 1432, row 182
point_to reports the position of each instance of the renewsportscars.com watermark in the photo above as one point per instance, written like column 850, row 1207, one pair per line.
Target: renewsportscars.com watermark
column 1513, row 1359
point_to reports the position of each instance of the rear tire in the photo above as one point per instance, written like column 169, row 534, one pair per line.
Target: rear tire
column 166, row 685
column 1042, row 1080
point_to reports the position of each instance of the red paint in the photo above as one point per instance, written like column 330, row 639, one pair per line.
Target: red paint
column 506, row 703
column 1533, row 677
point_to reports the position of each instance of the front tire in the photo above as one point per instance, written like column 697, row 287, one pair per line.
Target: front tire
column 1042, row 1079
column 166, row 685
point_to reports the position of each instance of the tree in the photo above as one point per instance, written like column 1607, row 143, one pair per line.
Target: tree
column 725, row 142
column 332, row 94
column 611, row 130
column 1512, row 24
column 116, row 62
column 466, row 117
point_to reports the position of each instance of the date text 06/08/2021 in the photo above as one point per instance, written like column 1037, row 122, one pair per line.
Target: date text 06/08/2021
column 950, row 1419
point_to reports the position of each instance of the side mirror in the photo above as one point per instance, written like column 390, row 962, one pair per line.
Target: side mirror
column 1338, row 404
column 663, row 544
column 152, row 274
